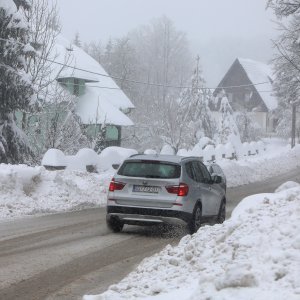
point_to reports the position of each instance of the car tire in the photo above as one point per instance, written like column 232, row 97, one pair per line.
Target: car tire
column 114, row 224
column 222, row 213
column 196, row 221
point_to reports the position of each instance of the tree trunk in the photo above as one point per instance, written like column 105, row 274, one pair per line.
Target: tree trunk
column 293, row 139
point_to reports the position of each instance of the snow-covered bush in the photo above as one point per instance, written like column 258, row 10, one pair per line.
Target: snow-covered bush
column 183, row 152
column 88, row 156
column 150, row 151
column 113, row 156
column 245, row 148
column 167, row 149
column 209, row 153
column 253, row 148
column 220, row 151
column 197, row 151
column 229, row 150
column 54, row 158
column 204, row 141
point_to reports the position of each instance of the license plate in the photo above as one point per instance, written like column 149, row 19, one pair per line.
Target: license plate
column 146, row 189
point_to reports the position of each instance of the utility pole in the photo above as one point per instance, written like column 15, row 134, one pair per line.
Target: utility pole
column 293, row 140
column 197, row 70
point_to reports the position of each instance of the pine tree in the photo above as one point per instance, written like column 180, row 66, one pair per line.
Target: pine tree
column 227, row 125
column 15, row 84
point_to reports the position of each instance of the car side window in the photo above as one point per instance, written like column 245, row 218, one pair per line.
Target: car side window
column 198, row 172
column 190, row 170
column 205, row 173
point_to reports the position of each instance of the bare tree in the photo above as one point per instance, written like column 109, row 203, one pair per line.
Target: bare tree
column 44, row 28
column 287, row 63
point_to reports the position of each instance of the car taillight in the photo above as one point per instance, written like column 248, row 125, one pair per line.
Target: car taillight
column 181, row 190
column 116, row 185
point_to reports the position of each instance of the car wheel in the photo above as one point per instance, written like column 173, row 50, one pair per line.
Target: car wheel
column 196, row 221
column 114, row 224
column 222, row 213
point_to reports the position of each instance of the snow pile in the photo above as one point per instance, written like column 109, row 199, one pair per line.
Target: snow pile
column 54, row 158
column 260, row 167
column 167, row 150
column 253, row 255
column 84, row 157
column 28, row 191
column 113, row 156
column 150, row 151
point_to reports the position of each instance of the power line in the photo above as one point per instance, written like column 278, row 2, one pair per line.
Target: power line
column 150, row 83
column 142, row 82
column 112, row 88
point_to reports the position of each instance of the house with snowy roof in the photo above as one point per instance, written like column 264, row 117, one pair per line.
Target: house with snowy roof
column 248, row 87
column 99, row 99
column 101, row 106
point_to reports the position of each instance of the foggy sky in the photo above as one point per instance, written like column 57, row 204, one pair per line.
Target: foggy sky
column 218, row 30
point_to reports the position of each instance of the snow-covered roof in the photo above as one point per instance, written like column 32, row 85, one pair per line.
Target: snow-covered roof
column 95, row 108
column 103, row 99
column 259, row 72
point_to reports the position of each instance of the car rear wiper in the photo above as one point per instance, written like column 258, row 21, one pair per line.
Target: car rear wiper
column 153, row 176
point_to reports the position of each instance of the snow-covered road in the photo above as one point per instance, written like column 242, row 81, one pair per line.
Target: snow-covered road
column 63, row 256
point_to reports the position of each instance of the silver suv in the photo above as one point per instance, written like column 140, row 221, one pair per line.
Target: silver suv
column 156, row 189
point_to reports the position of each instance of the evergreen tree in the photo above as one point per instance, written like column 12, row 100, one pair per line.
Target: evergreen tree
column 189, row 118
column 15, row 84
column 227, row 125
column 249, row 130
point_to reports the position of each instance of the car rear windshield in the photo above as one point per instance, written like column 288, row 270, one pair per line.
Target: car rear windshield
column 150, row 169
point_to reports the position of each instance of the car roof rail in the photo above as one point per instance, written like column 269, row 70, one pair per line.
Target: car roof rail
column 134, row 155
column 188, row 157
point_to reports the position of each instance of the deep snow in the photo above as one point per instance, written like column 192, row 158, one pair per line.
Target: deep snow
column 253, row 255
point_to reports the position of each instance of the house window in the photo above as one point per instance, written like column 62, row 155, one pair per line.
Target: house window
column 247, row 97
column 112, row 133
column 75, row 86
column 79, row 87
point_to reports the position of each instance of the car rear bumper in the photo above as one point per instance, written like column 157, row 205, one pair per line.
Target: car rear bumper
column 147, row 216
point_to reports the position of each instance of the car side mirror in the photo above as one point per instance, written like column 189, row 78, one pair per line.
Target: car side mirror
column 116, row 166
column 216, row 179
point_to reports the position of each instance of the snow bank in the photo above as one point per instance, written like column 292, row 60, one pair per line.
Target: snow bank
column 253, row 255
column 261, row 167
column 29, row 191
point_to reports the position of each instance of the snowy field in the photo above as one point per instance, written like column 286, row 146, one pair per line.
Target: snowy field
column 253, row 255
column 27, row 191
